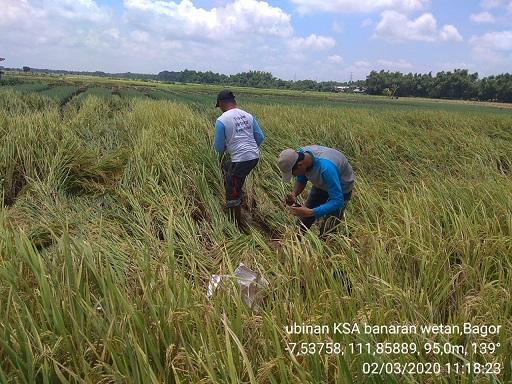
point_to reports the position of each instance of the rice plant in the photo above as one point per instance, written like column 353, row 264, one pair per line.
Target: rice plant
column 28, row 87
column 101, row 92
column 130, row 92
column 60, row 93
column 113, row 222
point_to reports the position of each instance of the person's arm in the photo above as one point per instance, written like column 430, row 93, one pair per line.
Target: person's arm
column 257, row 132
column 298, row 188
column 219, row 138
column 335, row 191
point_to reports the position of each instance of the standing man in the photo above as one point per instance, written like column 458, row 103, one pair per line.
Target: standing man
column 332, row 177
column 238, row 133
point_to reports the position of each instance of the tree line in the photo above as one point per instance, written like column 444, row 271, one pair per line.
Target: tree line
column 256, row 79
column 459, row 84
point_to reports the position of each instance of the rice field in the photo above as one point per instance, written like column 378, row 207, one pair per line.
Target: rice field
column 27, row 87
column 113, row 222
column 129, row 93
column 99, row 92
column 60, row 93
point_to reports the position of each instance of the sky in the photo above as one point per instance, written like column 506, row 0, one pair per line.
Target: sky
column 294, row 39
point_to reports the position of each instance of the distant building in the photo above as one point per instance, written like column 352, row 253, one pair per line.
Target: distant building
column 341, row 88
column 349, row 89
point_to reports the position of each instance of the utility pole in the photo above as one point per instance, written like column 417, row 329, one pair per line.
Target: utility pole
column 351, row 73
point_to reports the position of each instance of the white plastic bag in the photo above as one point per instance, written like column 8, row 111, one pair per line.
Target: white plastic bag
column 251, row 283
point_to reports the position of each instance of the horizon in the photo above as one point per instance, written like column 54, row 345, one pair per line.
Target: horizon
column 233, row 74
column 337, row 40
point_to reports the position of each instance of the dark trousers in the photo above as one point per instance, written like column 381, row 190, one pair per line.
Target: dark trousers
column 316, row 198
column 234, row 179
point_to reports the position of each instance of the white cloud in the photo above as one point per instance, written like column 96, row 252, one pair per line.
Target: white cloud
column 335, row 59
column 450, row 33
column 113, row 32
column 140, row 36
column 15, row 11
column 494, row 49
column 337, row 27
column 53, row 22
column 228, row 38
column 183, row 19
column 25, row 11
column 505, row 6
column 488, row 4
column 496, row 41
column 225, row 36
column 395, row 26
column 77, row 10
column 367, row 23
column 482, row 17
column 149, row 36
column 364, row 6
column 358, row 69
column 362, row 64
column 395, row 65
column 450, row 66
column 313, row 42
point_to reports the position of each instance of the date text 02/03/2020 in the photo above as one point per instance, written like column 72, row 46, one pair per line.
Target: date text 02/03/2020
column 419, row 368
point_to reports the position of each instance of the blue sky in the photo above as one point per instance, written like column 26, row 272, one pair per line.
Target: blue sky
column 313, row 39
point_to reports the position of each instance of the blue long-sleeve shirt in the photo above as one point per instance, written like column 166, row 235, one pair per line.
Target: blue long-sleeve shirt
column 325, row 175
column 219, row 137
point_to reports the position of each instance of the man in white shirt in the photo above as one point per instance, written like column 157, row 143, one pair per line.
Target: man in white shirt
column 238, row 133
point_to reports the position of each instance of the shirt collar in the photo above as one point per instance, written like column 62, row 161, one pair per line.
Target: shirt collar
column 313, row 159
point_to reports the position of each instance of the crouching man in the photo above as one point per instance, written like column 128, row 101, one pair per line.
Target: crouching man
column 332, row 177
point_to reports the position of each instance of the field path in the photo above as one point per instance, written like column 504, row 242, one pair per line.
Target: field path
column 68, row 99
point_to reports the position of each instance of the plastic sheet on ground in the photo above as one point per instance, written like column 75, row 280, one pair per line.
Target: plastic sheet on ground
column 252, row 285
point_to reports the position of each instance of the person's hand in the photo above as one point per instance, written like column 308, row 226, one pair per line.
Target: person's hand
column 302, row 211
column 290, row 199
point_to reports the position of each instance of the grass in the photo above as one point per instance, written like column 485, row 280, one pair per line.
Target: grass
column 100, row 92
column 130, row 93
column 113, row 222
column 26, row 88
column 202, row 93
column 60, row 93
column 161, row 95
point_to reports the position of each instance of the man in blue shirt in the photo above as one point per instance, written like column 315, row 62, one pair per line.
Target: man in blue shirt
column 332, row 177
column 238, row 133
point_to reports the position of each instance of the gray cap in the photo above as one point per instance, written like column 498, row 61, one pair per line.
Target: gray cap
column 286, row 161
